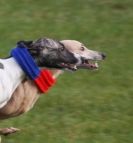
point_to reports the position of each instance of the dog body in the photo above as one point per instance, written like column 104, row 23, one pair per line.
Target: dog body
column 26, row 94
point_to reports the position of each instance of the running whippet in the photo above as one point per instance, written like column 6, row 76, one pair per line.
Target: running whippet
column 26, row 94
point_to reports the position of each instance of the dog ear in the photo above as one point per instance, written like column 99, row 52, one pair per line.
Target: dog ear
column 23, row 43
column 42, row 43
column 61, row 44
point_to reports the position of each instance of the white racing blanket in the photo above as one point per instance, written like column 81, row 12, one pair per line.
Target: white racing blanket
column 10, row 77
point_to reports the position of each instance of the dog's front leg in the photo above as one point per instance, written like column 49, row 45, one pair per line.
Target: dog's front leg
column 56, row 73
column 23, row 98
column 7, row 131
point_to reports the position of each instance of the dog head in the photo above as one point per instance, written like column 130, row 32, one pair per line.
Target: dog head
column 86, row 58
column 51, row 54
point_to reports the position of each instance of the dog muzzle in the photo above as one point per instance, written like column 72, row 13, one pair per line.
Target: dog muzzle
column 42, row 78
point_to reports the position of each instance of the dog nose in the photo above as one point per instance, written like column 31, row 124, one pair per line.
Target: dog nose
column 103, row 55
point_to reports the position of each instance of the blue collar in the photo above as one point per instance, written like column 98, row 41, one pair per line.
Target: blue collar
column 26, row 62
column 42, row 78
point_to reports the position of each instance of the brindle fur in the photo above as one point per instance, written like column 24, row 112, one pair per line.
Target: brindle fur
column 49, row 53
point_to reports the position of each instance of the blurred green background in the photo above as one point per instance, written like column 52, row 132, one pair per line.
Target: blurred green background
column 87, row 106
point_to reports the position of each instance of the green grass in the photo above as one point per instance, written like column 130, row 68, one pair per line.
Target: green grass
column 84, row 107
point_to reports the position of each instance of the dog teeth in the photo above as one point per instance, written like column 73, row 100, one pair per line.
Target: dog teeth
column 96, row 64
column 75, row 67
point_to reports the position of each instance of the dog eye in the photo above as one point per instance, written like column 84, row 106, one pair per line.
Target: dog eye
column 61, row 49
column 82, row 48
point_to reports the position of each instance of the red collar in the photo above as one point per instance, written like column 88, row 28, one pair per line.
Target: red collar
column 44, row 81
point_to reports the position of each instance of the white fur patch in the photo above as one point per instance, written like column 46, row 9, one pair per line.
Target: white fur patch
column 10, row 77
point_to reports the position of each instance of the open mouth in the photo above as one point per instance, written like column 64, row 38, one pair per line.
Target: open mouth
column 71, row 67
column 88, row 64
